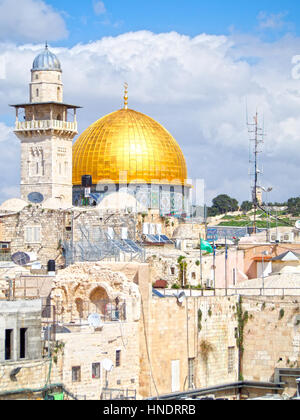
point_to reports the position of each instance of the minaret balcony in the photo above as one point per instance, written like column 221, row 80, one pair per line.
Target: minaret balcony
column 45, row 125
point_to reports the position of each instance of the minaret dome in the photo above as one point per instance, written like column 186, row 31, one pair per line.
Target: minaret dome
column 46, row 84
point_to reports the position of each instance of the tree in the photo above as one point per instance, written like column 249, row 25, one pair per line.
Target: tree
column 223, row 204
column 293, row 205
column 246, row 206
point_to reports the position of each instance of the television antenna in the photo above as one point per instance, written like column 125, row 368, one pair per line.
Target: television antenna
column 107, row 365
column 181, row 297
column 35, row 197
column 21, row 258
column 257, row 135
column 94, row 320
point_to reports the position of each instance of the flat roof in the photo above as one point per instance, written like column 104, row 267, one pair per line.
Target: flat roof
column 45, row 103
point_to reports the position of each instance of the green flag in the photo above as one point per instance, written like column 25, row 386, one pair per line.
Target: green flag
column 205, row 246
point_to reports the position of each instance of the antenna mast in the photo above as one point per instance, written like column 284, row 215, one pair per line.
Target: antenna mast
column 257, row 139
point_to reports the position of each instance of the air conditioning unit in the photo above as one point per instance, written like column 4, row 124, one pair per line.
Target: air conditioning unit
column 288, row 237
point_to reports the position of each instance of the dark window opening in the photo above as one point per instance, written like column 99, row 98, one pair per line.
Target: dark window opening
column 96, row 370
column 118, row 358
column 76, row 374
column 8, row 344
column 23, row 334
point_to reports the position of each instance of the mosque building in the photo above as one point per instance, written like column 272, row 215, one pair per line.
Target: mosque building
column 125, row 151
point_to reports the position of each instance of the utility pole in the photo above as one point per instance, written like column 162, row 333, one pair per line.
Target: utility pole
column 201, row 273
column 226, row 256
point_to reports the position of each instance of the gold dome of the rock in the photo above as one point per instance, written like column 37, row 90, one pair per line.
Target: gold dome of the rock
column 131, row 142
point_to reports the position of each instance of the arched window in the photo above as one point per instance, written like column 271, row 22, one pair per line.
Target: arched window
column 58, row 93
column 37, row 93
column 36, row 77
column 58, row 117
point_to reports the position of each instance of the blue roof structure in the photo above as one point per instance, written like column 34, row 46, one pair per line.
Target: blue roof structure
column 46, row 61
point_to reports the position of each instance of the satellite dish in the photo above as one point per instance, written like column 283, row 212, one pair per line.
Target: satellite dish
column 297, row 224
column 35, row 197
column 20, row 258
column 94, row 320
column 107, row 365
column 181, row 297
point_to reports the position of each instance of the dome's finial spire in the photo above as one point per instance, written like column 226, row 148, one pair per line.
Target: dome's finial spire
column 126, row 96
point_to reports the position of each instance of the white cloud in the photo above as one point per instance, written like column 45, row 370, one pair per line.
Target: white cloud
column 99, row 7
column 30, row 20
column 196, row 87
column 5, row 132
column 272, row 20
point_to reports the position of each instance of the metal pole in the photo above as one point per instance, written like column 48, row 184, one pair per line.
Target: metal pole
column 214, row 264
column 201, row 274
column 263, row 273
column 226, row 265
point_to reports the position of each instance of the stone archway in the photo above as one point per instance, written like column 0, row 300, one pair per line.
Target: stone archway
column 79, row 304
column 99, row 299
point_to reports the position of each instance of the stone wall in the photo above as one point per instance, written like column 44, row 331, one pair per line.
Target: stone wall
column 271, row 337
column 201, row 329
column 32, row 377
column 52, row 232
column 82, row 349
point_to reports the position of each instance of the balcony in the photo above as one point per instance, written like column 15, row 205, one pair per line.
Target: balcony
column 45, row 125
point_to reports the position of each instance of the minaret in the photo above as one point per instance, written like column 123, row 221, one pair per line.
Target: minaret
column 46, row 134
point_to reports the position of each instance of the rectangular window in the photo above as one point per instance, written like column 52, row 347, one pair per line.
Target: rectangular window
column 8, row 344
column 76, row 374
column 191, row 373
column 118, row 358
column 96, row 370
column 234, row 276
column 23, row 342
column 33, row 234
column 172, row 271
column 231, row 351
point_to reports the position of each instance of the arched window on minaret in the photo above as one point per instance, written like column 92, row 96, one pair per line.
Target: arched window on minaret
column 37, row 92
column 58, row 94
column 58, row 117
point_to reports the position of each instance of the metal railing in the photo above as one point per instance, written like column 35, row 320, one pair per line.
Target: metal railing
column 76, row 314
column 234, row 291
column 46, row 125
column 118, row 394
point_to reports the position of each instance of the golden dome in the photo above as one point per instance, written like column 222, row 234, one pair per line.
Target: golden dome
column 128, row 141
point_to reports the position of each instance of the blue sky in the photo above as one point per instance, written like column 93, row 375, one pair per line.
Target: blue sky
column 190, row 65
column 189, row 17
